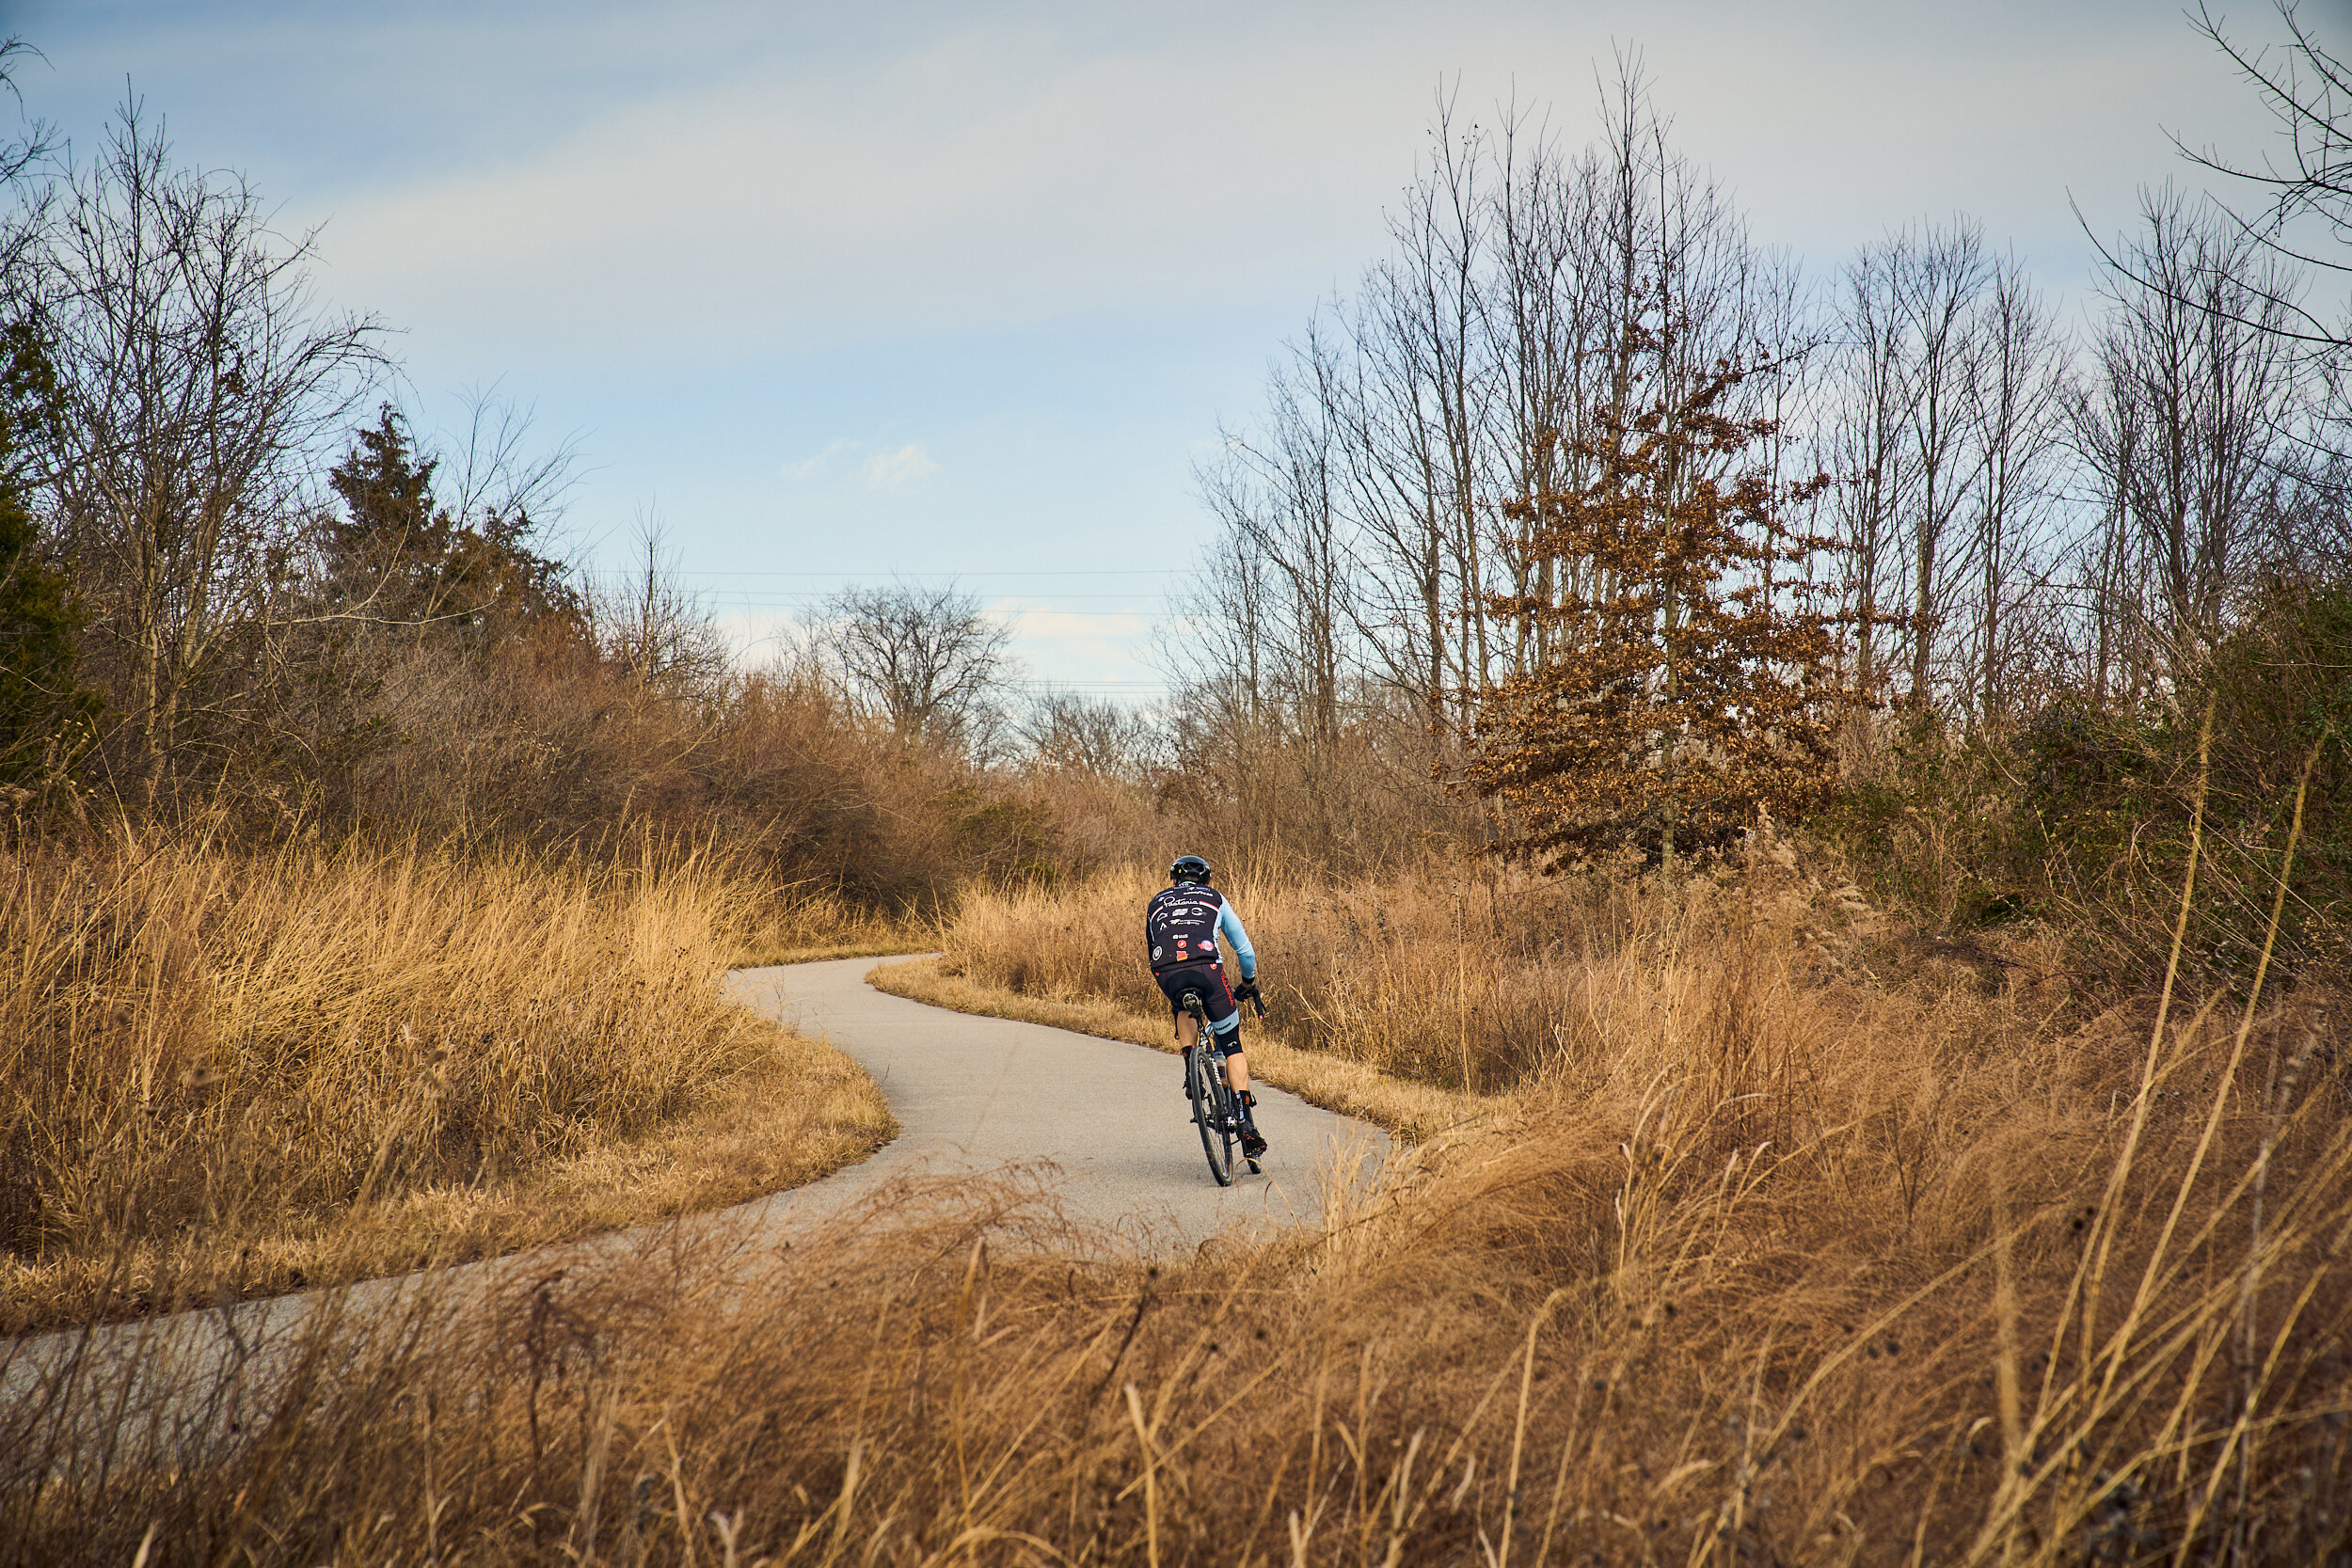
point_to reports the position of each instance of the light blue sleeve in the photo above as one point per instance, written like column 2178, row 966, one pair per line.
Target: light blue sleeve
column 1228, row 927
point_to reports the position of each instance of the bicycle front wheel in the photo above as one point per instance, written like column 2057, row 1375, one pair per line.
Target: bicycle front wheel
column 1216, row 1134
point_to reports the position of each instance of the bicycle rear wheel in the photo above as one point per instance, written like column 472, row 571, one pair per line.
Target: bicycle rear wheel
column 1217, row 1135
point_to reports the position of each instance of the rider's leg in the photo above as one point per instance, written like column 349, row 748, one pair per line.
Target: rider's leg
column 1173, row 985
column 1228, row 1044
column 1237, row 1073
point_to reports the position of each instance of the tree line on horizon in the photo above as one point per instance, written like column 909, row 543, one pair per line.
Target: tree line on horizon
column 236, row 579
column 1586, row 502
column 1583, row 527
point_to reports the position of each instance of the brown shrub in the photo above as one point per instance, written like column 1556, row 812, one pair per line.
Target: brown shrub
column 549, row 748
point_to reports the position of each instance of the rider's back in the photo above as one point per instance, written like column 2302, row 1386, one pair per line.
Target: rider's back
column 1179, row 926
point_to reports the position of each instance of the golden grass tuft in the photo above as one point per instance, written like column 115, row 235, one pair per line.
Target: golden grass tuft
column 230, row 1072
column 1467, row 977
column 799, row 923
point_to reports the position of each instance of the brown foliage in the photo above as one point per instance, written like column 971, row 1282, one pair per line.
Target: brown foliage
column 1677, row 686
column 545, row 744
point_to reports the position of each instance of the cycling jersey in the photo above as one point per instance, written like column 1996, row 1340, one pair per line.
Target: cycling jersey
column 1182, row 924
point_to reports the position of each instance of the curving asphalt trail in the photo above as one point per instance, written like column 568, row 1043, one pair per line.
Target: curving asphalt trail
column 976, row 1094
column 972, row 1094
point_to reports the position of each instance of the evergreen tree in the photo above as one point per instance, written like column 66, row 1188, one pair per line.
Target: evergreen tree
column 47, row 719
column 386, row 552
column 1684, row 678
column 397, row 556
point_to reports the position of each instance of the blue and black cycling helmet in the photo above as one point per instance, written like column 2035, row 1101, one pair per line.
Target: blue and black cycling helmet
column 1189, row 868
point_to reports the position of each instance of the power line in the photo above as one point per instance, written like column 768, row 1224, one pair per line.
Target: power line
column 791, row 601
column 1068, row 572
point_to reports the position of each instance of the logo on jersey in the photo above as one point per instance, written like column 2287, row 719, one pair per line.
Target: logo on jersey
column 1180, row 927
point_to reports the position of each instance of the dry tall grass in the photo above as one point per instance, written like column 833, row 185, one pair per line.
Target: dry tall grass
column 299, row 1064
column 1474, row 977
column 1765, row 1295
column 1773, row 1261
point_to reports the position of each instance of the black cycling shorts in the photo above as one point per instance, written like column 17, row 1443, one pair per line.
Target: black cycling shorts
column 1215, row 1000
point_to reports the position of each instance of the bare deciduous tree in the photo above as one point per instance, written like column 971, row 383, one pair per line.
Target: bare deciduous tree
column 657, row 636
column 1865, row 453
column 2016, row 414
column 2303, row 217
column 197, row 379
column 1275, row 495
column 17, row 157
column 926, row 656
column 2182, row 427
column 1066, row 731
column 1938, row 276
column 1941, row 426
column 501, row 479
column 1379, row 485
column 1375, row 514
column 1378, row 522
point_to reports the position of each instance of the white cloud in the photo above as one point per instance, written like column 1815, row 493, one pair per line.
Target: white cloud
column 884, row 470
column 943, row 173
column 895, row 471
column 1065, row 623
column 757, row 637
column 1102, row 654
column 972, row 175
column 808, row 468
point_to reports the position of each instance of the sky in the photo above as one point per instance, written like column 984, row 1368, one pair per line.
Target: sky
column 838, row 293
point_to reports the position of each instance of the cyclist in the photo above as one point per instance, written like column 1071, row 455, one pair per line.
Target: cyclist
column 1181, row 926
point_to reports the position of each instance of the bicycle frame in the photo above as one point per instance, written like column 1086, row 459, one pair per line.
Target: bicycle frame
column 1209, row 1087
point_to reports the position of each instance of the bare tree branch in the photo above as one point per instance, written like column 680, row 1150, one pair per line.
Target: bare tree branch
column 927, row 657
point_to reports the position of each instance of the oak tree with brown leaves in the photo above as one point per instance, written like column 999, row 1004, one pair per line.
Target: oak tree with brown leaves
column 1686, row 678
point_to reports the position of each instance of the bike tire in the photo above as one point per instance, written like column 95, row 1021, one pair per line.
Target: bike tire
column 1216, row 1137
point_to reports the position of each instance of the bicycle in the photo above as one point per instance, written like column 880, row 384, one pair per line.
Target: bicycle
column 1214, row 1109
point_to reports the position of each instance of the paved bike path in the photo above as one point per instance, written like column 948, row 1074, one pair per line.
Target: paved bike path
column 972, row 1094
column 975, row 1094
